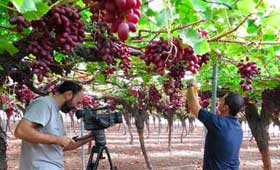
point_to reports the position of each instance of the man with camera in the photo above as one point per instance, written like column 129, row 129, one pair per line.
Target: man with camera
column 42, row 130
column 224, row 136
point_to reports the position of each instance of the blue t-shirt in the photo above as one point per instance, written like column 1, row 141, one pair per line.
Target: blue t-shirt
column 223, row 141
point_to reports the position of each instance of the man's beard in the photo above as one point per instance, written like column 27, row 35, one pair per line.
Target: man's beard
column 67, row 106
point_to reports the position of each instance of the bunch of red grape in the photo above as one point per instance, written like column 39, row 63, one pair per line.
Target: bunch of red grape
column 165, row 107
column 203, row 33
column 193, row 60
column 4, row 99
column 90, row 101
column 111, row 103
column 143, row 96
column 122, row 14
column 162, row 53
column 52, row 89
column 168, row 86
column 87, row 101
column 133, row 91
column 109, row 71
column 40, row 69
column 24, row 94
column 61, row 27
column 21, row 74
column 171, row 55
column 66, row 23
column 176, row 100
column 204, row 99
column 68, row 27
column 204, row 59
column 110, row 48
column 247, row 72
column 154, row 94
column 177, row 72
column 20, row 21
column 9, row 108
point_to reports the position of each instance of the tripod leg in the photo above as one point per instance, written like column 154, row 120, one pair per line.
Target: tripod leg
column 89, row 164
column 109, row 158
column 99, row 155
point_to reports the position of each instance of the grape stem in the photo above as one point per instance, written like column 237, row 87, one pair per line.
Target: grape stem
column 248, row 42
column 10, row 8
column 173, row 30
column 219, row 3
column 7, row 28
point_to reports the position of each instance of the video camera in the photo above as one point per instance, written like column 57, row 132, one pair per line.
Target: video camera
column 94, row 121
column 98, row 122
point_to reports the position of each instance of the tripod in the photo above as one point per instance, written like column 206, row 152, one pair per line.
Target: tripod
column 99, row 150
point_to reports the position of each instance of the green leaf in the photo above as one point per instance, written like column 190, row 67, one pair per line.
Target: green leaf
column 273, row 19
column 162, row 17
column 24, row 5
column 4, row 106
column 31, row 9
column 192, row 38
column 246, row 6
column 199, row 5
column 7, row 45
column 59, row 58
column 150, row 12
column 42, row 9
column 101, row 78
column 201, row 47
column 252, row 27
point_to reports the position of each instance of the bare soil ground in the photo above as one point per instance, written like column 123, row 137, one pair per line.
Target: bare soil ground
column 184, row 156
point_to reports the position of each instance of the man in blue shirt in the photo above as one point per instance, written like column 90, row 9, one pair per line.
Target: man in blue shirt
column 224, row 135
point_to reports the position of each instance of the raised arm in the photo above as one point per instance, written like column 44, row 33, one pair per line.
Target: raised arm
column 193, row 98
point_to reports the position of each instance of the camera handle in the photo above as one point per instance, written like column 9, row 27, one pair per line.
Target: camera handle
column 99, row 150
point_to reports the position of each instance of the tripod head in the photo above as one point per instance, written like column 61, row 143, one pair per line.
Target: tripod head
column 100, row 137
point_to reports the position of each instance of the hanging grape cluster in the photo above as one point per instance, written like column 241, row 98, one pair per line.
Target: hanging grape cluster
column 90, row 101
column 7, row 105
column 204, row 100
column 40, row 69
column 170, row 55
column 68, row 27
column 24, row 94
column 61, row 28
column 247, row 72
column 133, row 91
column 20, row 22
column 52, row 89
column 154, row 94
column 110, row 48
column 176, row 100
column 122, row 14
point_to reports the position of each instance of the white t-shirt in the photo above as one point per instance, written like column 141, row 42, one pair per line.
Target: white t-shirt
column 44, row 111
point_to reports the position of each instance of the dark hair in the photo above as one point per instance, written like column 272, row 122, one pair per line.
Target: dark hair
column 235, row 103
column 68, row 85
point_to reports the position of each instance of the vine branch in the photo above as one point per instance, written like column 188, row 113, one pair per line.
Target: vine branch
column 219, row 3
column 236, row 28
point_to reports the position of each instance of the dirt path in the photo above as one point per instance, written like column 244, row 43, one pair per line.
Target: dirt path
column 186, row 156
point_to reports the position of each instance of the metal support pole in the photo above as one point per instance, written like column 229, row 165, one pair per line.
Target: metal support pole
column 214, row 96
column 214, row 88
column 82, row 147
